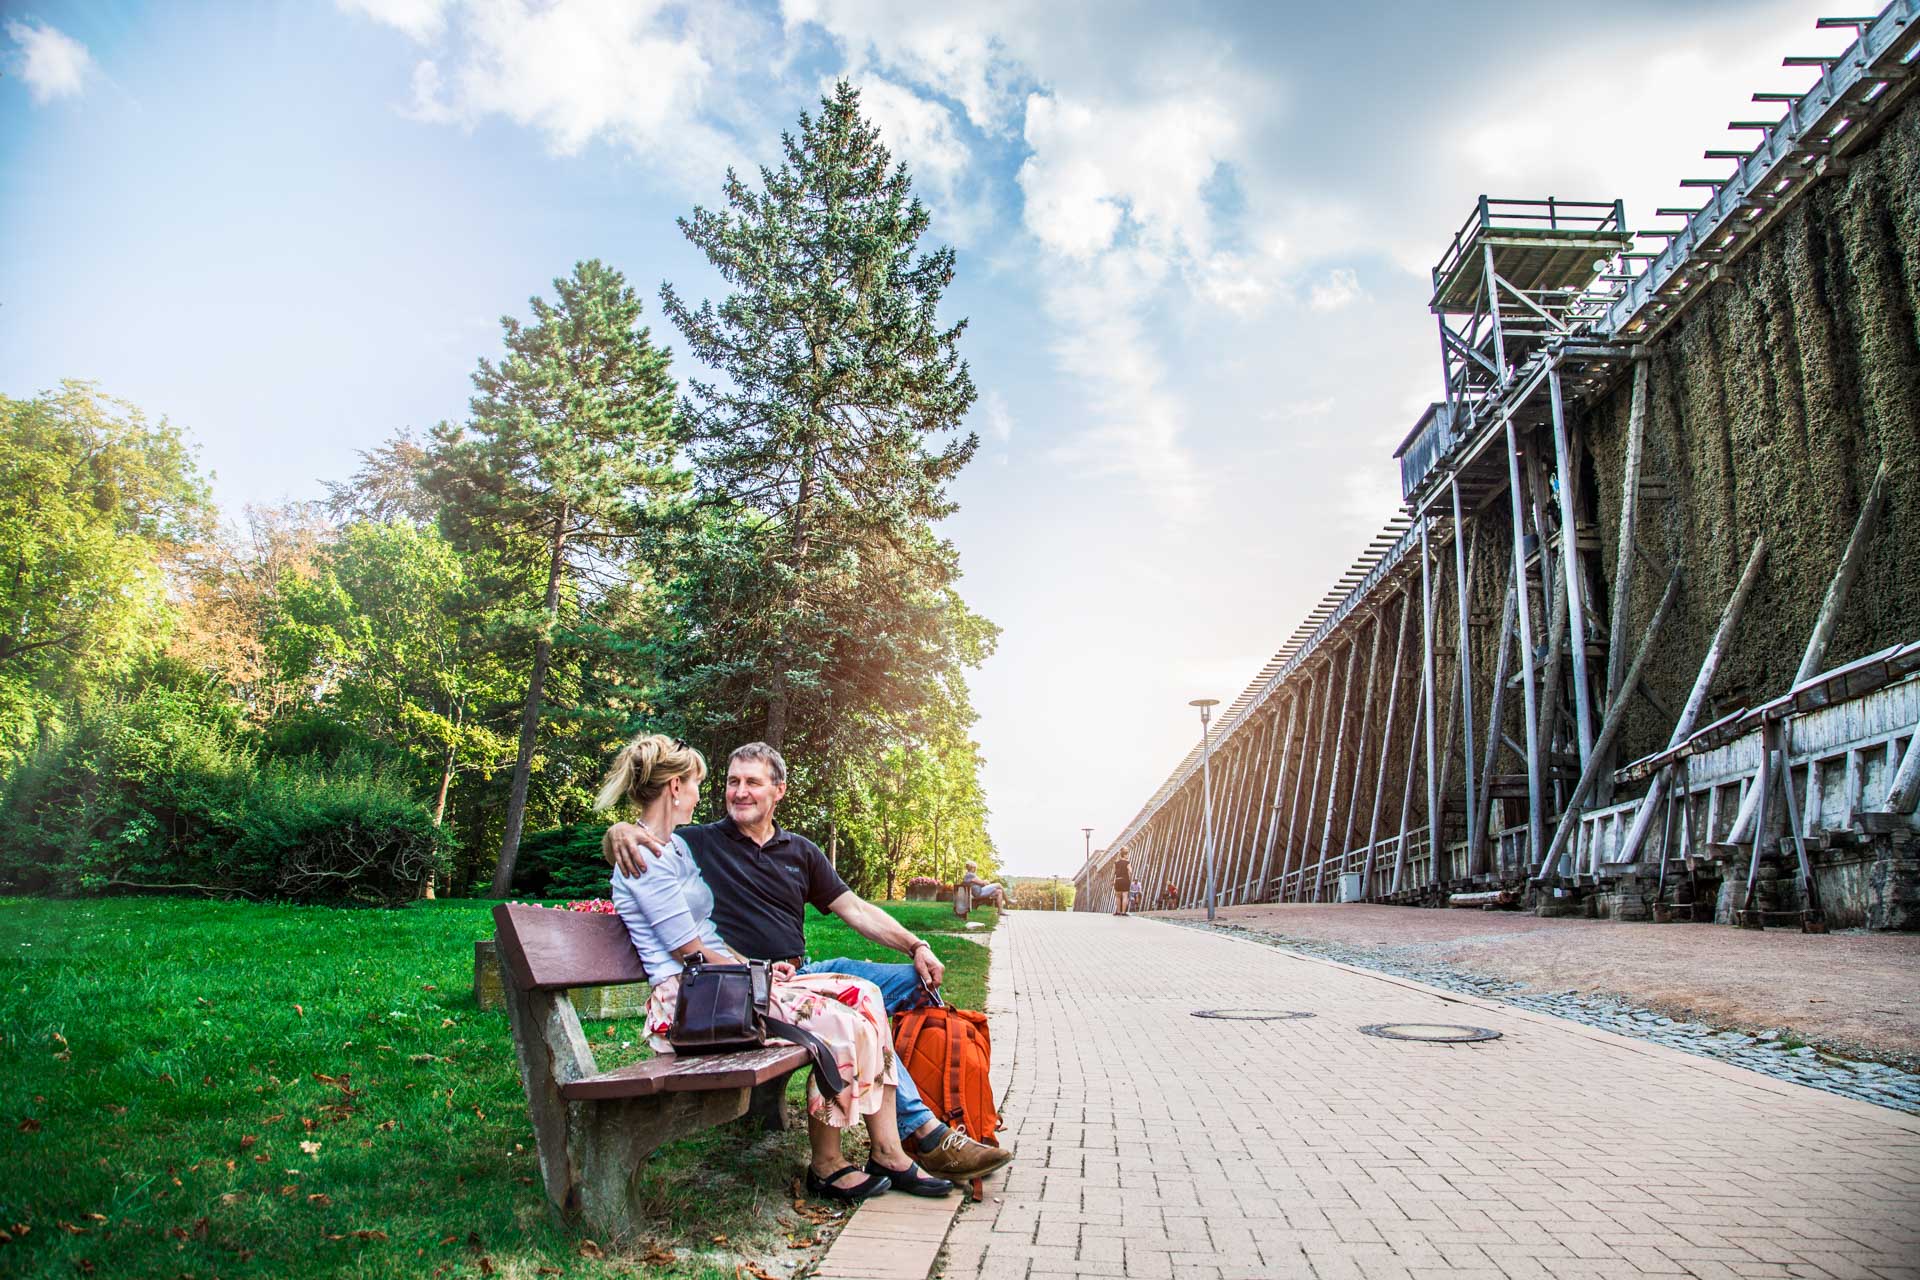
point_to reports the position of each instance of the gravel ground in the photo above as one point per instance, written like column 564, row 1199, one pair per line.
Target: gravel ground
column 1840, row 1012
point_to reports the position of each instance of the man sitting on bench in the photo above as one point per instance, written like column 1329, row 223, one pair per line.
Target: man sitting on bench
column 762, row 879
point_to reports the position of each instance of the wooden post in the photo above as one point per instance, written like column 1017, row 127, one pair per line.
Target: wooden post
column 1702, row 682
column 1406, row 801
column 1903, row 793
column 1333, row 775
column 1464, row 581
column 1536, row 798
column 1313, row 791
column 1609, row 731
column 1831, row 607
column 1386, row 745
column 1360, row 747
column 1622, row 608
column 1498, row 704
column 1570, row 555
column 1299, row 776
column 1426, row 632
column 1280, row 780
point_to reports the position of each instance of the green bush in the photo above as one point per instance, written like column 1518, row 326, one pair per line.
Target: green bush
column 563, row 862
column 164, row 792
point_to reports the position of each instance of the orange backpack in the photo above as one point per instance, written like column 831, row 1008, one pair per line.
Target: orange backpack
column 949, row 1055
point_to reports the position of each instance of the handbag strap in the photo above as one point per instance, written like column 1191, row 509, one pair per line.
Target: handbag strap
column 825, row 1072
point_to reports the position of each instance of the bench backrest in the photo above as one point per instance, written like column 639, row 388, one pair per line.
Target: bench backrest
column 551, row 950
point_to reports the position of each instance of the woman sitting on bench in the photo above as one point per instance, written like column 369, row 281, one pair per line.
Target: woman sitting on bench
column 667, row 914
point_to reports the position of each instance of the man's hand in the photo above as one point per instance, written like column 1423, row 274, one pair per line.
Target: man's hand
column 623, row 845
column 783, row 970
column 928, row 966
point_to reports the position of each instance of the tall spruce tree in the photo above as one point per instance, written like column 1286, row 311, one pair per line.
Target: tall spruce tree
column 838, row 378
column 572, row 434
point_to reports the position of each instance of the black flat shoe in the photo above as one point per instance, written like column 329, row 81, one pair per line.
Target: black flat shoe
column 826, row 1188
column 911, row 1180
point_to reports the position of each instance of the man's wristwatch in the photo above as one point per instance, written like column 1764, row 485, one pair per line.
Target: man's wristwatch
column 915, row 948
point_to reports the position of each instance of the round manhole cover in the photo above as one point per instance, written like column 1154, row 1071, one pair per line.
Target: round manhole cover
column 1430, row 1032
column 1251, row 1015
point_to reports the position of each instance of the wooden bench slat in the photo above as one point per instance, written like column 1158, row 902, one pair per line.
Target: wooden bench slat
column 552, row 950
column 687, row 1073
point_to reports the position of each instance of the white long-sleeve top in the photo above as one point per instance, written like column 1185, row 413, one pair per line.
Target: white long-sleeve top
column 666, row 908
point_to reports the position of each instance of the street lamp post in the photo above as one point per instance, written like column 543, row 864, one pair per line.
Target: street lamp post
column 1088, row 864
column 1206, row 706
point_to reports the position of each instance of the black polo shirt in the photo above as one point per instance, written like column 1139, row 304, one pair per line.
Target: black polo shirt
column 760, row 892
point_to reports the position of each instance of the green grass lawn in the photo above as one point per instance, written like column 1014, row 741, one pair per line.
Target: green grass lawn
column 199, row 1088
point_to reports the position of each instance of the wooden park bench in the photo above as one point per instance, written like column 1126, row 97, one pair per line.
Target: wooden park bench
column 594, row 1128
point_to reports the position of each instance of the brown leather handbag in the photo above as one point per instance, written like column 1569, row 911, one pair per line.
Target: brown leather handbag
column 723, row 1008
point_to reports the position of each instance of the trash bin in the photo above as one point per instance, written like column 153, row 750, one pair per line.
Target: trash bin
column 1349, row 886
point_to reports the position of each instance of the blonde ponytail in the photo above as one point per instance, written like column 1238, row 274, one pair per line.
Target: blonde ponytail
column 644, row 767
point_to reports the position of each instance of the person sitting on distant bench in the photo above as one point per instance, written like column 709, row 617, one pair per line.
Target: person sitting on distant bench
column 985, row 892
column 1170, row 897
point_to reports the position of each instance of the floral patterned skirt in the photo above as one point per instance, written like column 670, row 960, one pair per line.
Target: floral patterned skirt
column 847, row 1013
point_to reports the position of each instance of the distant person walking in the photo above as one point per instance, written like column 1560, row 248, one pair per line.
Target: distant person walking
column 1122, row 883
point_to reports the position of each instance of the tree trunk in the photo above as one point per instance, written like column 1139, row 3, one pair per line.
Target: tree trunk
column 530, row 722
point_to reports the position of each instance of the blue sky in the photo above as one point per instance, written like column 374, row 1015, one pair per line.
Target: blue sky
column 1193, row 243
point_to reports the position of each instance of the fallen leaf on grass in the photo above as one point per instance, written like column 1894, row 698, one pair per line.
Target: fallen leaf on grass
column 588, row 1249
column 69, row 1228
column 449, row 1239
column 275, row 1118
column 116, row 1108
column 369, row 1235
column 546, row 1271
column 658, row 1256
column 321, row 1198
column 199, row 1228
column 286, row 1191
column 446, row 1022
column 6, row 1237
column 248, row 1139
column 486, row 1266
column 386, row 1125
column 176, row 1233
column 719, row 1239
column 311, row 1148
column 59, row 1039
column 807, row 1243
column 757, row 1272
column 97, row 1217
column 29, row 1125
column 302, row 1012
column 233, row 1197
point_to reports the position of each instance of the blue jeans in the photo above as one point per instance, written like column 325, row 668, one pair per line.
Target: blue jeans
column 899, row 985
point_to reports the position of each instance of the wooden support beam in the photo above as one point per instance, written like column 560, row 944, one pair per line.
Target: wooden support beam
column 1621, row 610
column 1536, row 798
column 1570, row 552
column 1500, row 666
column 1406, row 797
column 1903, row 793
column 1386, row 744
column 1333, row 775
column 1702, row 682
column 1463, row 575
column 1366, row 726
column 1428, row 681
column 1615, row 721
column 1831, row 607
column 1264, row 884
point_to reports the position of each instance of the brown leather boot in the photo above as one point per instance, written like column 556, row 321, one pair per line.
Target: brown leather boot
column 959, row 1158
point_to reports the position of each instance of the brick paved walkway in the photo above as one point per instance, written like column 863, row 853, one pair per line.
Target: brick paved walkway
column 1155, row 1144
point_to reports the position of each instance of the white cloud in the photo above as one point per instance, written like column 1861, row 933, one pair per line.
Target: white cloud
column 420, row 19
column 956, row 50
column 53, row 64
column 999, row 419
column 659, row 78
column 1341, row 288
column 925, row 134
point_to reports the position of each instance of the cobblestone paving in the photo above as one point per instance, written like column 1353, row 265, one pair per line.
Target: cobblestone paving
column 1155, row 1144
column 1771, row 1052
